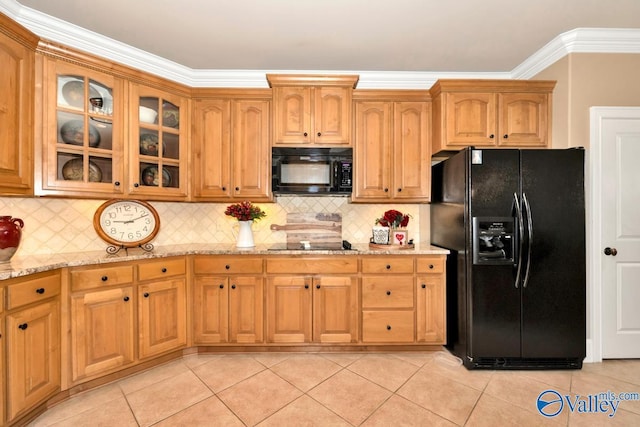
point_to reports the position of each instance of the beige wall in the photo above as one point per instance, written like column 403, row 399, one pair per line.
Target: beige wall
column 586, row 80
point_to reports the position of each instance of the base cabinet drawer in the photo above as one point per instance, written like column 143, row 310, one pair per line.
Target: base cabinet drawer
column 387, row 326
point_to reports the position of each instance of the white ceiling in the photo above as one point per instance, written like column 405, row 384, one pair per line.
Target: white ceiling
column 434, row 36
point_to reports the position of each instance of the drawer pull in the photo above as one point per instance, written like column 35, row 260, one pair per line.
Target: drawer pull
column 146, row 295
column 388, row 327
column 388, row 267
column 233, row 286
column 424, row 286
column 164, row 269
column 23, row 326
column 125, row 299
column 104, row 278
column 430, row 266
column 388, row 292
column 227, row 266
column 221, row 286
column 40, row 291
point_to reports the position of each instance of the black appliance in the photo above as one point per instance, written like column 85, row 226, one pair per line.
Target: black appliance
column 514, row 221
column 312, row 171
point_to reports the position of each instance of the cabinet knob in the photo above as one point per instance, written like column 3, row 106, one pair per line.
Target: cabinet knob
column 117, row 183
column 125, row 299
column 319, row 133
column 233, row 286
column 221, row 286
column 305, row 134
column 388, row 292
column 430, row 266
column 492, row 136
column 388, row 327
column 227, row 267
column 424, row 286
column 306, row 286
column 224, row 188
column 164, row 269
column 237, row 188
column 104, row 278
column 399, row 190
column 388, row 266
column 136, row 185
column 146, row 295
column 317, row 286
column 386, row 190
column 23, row 326
column 40, row 291
column 506, row 136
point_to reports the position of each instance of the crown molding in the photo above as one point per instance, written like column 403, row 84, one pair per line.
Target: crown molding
column 580, row 40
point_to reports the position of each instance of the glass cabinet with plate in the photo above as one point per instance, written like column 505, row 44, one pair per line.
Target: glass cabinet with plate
column 157, row 135
column 82, row 128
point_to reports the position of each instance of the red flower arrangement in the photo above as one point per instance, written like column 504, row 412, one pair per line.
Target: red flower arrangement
column 245, row 211
column 394, row 219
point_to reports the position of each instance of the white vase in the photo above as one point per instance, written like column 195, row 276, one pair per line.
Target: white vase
column 244, row 239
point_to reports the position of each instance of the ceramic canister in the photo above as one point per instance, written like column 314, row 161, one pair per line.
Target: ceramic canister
column 10, row 234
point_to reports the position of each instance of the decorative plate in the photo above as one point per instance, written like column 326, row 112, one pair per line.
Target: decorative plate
column 149, row 144
column 73, row 93
column 150, row 177
column 72, row 132
column 72, row 171
column 170, row 115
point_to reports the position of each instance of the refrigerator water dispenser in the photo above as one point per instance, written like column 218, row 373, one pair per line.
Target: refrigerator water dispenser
column 493, row 240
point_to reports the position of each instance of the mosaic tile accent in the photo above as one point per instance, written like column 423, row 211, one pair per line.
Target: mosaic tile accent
column 66, row 225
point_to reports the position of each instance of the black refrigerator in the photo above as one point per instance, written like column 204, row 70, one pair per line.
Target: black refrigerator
column 514, row 221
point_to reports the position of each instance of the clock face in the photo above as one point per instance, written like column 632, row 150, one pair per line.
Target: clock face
column 126, row 222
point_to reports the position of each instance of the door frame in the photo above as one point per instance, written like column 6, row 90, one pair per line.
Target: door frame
column 594, row 223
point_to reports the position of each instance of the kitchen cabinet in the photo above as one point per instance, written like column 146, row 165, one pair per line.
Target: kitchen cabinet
column 82, row 131
column 388, row 299
column 231, row 154
column 2, row 361
column 162, row 315
column 102, row 320
column 32, row 341
column 17, row 84
column 491, row 113
column 228, row 300
column 158, row 149
column 312, row 300
column 392, row 147
column 430, row 300
column 312, row 110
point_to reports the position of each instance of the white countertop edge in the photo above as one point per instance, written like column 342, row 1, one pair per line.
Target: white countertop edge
column 23, row 266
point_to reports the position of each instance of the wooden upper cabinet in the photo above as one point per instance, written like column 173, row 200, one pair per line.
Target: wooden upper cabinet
column 231, row 155
column 158, row 150
column 491, row 113
column 17, row 83
column 392, row 149
column 312, row 110
column 82, row 139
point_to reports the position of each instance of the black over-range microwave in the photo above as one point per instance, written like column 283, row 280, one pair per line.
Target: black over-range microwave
column 312, row 171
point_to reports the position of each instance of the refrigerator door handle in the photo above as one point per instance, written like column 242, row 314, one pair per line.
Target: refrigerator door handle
column 530, row 238
column 520, row 239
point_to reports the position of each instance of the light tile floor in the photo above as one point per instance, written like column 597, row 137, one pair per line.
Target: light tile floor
column 338, row 389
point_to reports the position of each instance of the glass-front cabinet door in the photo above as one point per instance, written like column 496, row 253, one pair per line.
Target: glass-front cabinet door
column 158, row 126
column 82, row 127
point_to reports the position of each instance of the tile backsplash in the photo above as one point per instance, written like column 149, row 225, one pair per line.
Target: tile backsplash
column 66, row 225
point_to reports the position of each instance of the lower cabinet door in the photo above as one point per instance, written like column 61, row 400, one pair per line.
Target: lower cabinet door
column 335, row 309
column 246, row 309
column 289, row 309
column 430, row 309
column 210, row 310
column 33, row 356
column 102, row 332
column 162, row 317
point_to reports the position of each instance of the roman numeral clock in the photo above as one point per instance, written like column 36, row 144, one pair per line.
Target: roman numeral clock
column 126, row 224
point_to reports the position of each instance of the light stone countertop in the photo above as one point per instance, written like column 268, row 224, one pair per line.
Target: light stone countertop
column 23, row 266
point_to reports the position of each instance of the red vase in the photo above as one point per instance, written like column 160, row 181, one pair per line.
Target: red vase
column 10, row 234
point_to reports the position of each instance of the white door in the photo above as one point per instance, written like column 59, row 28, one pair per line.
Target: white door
column 617, row 247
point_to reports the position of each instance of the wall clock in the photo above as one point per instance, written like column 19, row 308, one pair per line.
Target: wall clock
column 126, row 224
